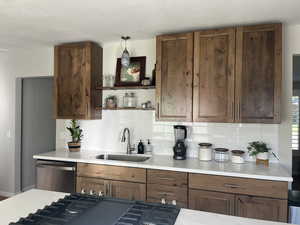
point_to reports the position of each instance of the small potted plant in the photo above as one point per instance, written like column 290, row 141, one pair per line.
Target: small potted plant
column 76, row 134
column 260, row 150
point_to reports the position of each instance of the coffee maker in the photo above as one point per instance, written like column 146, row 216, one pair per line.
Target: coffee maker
column 180, row 134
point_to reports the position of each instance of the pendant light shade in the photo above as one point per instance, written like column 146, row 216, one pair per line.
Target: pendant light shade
column 125, row 59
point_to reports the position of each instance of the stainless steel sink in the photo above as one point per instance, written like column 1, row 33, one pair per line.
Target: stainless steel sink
column 130, row 158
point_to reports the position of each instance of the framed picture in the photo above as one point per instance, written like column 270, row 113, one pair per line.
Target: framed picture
column 133, row 74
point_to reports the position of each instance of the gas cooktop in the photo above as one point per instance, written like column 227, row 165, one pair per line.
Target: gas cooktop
column 82, row 209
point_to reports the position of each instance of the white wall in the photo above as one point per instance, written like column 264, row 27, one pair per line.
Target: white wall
column 291, row 47
column 16, row 63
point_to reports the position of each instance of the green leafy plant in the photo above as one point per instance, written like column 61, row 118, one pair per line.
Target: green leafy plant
column 76, row 132
column 256, row 147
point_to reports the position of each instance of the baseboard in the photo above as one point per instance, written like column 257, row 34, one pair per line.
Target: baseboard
column 28, row 188
column 6, row 194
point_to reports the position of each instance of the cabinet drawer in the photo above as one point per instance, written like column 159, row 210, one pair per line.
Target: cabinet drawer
column 128, row 190
column 170, row 178
column 155, row 193
column 111, row 172
column 211, row 201
column 248, row 186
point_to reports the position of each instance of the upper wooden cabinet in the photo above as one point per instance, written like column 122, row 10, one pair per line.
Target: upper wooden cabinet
column 214, row 60
column 174, row 77
column 258, row 73
column 77, row 73
column 236, row 75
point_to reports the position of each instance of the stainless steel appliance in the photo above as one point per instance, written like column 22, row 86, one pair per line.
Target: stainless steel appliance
column 56, row 176
column 81, row 209
column 180, row 134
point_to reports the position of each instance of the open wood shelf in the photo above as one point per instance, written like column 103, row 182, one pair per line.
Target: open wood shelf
column 125, row 87
column 123, row 108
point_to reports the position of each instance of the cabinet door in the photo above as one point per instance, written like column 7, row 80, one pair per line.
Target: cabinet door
column 174, row 77
column 158, row 192
column 128, row 190
column 258, row 73
column 92, row 185
column 211, row 201
column 71, row 76
column 261, row 208
column 214, row 61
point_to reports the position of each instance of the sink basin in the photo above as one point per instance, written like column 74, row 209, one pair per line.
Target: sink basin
column 130, row 158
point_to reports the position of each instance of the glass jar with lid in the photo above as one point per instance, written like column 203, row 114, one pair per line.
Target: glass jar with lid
column 129, row 100
column 205, row 151
column 221, row 154
column 237, row 156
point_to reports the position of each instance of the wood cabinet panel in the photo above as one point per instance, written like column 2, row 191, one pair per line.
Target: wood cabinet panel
column 77, row 72
column 214, row 61
column 261, row 208
column 157, row 192
column 169, row 178
column 265, row 188
column 210, row 201
column 111, row 172
column 93, row 185
column 258, row 73
column 128, row 190
column 174, row 77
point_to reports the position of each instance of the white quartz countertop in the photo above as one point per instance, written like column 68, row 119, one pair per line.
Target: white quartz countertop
column 191, row 165
column 22, row 204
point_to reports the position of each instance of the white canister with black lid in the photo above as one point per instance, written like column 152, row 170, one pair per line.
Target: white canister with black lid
column 205, row 151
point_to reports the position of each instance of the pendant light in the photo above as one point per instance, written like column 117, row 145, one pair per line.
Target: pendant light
column 125, row 59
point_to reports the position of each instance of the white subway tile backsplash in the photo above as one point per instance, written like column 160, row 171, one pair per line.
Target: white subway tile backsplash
column 105, row 134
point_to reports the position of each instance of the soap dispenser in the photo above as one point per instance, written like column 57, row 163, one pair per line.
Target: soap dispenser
column 141, row 147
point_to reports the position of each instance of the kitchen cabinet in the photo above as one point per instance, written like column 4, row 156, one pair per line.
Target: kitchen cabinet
column 261, row 208
column 109, row 188
column 258, row 73
column 214, row 61
column 211, row 201
column 174, row 77
column 221, row 75
column 112, row 181
column 245, row 197
column 167, row 186
column 77, row 74
column 252, row 198
column 128, row 190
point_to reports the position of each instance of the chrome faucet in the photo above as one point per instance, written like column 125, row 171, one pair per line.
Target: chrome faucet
column 129, row 149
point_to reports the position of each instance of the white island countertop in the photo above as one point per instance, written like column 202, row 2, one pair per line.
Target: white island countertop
column 22, row 204
column 191, row 165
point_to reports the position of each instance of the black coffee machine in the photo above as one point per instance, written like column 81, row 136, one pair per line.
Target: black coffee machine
column 180, row 133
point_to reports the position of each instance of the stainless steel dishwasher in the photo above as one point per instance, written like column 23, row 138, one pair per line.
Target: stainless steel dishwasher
column 56, row 176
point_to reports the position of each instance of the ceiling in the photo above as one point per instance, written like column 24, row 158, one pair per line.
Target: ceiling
column 48, row 22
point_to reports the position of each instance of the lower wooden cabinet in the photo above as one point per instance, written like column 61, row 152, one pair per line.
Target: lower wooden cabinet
column 211, row 201
column 261, row 208
column 110, row 188
column 170, row 194
column 244, row 197
column 128, row 190
column 91, row 185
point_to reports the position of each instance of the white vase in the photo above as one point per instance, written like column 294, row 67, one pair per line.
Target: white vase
column 263, row 155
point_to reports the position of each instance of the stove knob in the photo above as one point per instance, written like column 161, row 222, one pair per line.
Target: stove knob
column 82, row 191
column 163, row 201
column 100, row 193
column 173, row 202
column 91, row 192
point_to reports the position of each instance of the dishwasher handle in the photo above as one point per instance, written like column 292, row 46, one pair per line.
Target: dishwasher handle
column 56, row 167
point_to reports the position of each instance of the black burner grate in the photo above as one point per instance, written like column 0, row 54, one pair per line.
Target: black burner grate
column 79, row 209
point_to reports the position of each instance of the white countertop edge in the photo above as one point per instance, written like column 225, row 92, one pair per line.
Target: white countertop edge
column 140, row 165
